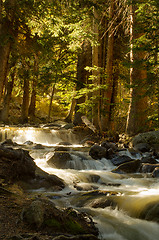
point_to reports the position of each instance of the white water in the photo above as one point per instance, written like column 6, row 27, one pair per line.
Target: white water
column 132, row 192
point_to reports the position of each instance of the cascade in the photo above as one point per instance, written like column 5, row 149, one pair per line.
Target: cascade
column 90, row 183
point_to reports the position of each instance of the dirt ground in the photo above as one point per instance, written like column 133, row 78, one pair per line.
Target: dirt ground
column 10, row 221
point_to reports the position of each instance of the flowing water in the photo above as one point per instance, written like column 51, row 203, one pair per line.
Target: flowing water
column 90, row 182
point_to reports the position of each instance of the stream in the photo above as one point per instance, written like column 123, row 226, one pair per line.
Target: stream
column 115, row 201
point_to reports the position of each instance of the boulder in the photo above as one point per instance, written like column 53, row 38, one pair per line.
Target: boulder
column 142, row 147
column 103, row 203
column 120, row 160
column 150, row 212
column 149, row 159
column 148, row 168
column 41, row 214
column 34, row 214
column 65, row 143
column 28, row 143
column 152, row 138
column 128, row 167
column 8, row 142
column 16, row 164
column 94, row 178
column 45, row 180
column 155, row 172
column 38, row 146
column 98, row 152
column 62, row 149
column 59, row 159
column 109, row 145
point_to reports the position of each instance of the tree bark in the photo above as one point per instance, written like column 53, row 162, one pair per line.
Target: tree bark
column 32, row 105
column 84, row 60
column 5, row 110
column 69, row 117
column 6, row 25
column 25, row 103
column 96, row 74
column 51, row 100
column 137, row 115
column 107, row 95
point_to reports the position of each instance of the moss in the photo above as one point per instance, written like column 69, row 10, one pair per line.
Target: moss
column 74, row 227
column 53, row 223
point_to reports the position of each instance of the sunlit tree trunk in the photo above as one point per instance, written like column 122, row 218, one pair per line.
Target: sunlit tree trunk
column 32, row 105
column 96, row 109
column 137, row 115
column 107, row 95
column 51, row 99
column 84, row 60
column 25, row 103
column 69, row 116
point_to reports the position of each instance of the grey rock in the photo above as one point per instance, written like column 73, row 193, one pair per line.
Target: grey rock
column 97, row 152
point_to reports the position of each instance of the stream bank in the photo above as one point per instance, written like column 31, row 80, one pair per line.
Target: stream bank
column 114, row 184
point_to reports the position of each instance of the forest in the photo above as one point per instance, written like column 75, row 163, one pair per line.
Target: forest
column 67, row 59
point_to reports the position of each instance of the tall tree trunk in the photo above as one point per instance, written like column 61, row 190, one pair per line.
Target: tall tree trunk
column 4, row 56
column 96, row 75
column 32, row 105
column 84, row 60
column 5, row 110
column 69, row 116
column 106, row 111
column 25, row 103
column 137, row 115
column 5, row 36
column 51, row 99
column 113, row 105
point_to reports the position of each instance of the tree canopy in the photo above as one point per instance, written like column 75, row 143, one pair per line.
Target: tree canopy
column 101, row 55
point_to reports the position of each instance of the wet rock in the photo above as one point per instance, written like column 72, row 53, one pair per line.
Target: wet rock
column 150, row 212
column 108, row 145
column 68, row 126
column 133, row 152
column 121, row 159
column 59, row 159
column 28, row 143
column 97, row 152
column 52, row 125
column 9, row 142
column 148, row 137
column 103, row 203
column 93, row 178
column 128, row 167
column 148, row 168
column 38, row 146
column 42, row 214
column 62, row 149
column 142, row 147
column 155, row 172
column 16, row 164
column 65, row 143
column 43, row 179
column 85, row 187
column 149, row 159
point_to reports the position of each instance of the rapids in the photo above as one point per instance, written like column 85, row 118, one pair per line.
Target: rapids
column 91, row 181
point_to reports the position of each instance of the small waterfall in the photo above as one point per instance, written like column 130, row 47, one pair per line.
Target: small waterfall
column 90, row 181
column 37, row 135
